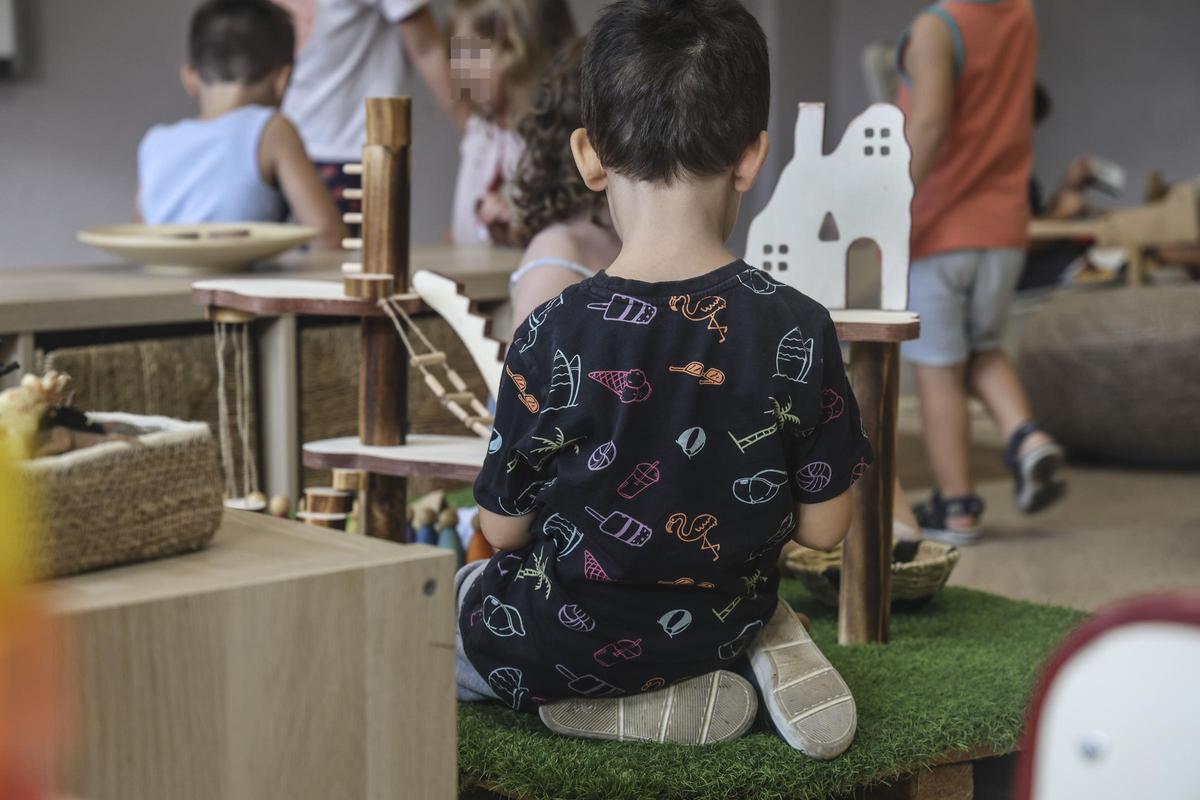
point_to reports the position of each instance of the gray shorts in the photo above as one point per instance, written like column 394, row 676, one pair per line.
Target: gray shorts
column 471, row 685
column 963, row 298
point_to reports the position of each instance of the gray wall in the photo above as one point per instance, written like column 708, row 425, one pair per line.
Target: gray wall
column 1125, row 78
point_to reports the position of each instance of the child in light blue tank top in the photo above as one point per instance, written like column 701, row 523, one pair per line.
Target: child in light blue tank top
column 239, row 160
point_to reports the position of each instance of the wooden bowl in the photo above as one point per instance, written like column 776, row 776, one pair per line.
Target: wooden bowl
column 200, row 249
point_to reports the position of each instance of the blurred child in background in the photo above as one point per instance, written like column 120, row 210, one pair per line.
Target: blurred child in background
column 499, row 50
column 239, row 160
column 565, row 227
column 347, row 51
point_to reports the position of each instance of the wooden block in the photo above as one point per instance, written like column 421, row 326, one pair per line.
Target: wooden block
column 232, row 315
column 349, row 480
column 327, row 500
column 367, row 286
column 278, row 662
column 947, row 782
column 322, row 519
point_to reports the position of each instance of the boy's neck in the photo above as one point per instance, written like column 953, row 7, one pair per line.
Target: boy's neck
column 216, row 99
column 671, row 232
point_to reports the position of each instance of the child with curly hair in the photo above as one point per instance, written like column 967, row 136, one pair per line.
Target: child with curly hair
column 565, row 227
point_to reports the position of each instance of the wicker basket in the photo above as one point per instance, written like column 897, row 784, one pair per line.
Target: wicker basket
column 118, row 502
column 919, row 569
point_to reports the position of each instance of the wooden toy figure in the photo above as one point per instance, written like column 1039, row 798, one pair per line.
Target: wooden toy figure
column 448, row 535
column 279, row 506
column 425, row 532
column 478, row 549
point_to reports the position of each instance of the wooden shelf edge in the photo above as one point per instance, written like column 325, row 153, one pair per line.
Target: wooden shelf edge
column 400, row 462
column 314, row 306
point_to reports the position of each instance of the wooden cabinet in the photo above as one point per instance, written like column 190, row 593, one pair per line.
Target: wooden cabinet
column 282, row 661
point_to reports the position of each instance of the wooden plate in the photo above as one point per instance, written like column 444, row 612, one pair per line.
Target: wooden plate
column 204, row 248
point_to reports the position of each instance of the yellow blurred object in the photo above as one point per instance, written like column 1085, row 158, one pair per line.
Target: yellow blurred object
column 23, row 407
column 30, row 716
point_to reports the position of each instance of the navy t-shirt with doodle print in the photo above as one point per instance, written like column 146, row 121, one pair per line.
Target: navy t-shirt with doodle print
column 662, row 434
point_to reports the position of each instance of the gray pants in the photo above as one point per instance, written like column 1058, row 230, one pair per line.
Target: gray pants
column 963, row 298
column 471, row 685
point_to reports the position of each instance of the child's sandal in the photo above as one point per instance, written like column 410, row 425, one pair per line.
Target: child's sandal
column 932, row 517
column 1036, row 472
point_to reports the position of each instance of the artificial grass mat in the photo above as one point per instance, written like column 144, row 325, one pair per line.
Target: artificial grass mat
column 957, row 676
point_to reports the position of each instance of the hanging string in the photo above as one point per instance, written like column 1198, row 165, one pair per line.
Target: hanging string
column 236, row 337
column 220, row 336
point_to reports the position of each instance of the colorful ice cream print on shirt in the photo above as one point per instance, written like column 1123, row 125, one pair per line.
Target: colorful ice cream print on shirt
column 657, row 437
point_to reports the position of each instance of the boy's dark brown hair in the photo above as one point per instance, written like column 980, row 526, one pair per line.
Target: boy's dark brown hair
column 549, row 188
column 673, row 88
column 240, row 41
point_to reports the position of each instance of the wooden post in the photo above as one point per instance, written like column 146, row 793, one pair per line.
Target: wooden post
column 383, row 368
column 866, row 584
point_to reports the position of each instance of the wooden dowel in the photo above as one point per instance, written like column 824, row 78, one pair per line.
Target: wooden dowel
column 352, row 244
column 349, row 480
column 352, row 268
column 864, row 607
column 352, row 169
column 352, row 194
column 459, row 397
column 435, row 386
column 426, row 359
column 352, row 218
column 486, row 419
column 456, row 380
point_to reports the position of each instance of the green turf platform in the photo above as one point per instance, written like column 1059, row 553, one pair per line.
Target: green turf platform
column 956, row 678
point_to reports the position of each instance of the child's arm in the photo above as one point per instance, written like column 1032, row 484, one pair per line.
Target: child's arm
column 287, row 166
column 929, row 62
column 426, row 48
column 822, row 526
column 505, row 533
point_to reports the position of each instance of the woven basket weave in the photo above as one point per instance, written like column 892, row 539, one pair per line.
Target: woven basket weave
column 117, row 502
column 919, row 570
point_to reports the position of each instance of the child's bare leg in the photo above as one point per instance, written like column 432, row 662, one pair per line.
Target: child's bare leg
column 946, row 422
column 994, row 379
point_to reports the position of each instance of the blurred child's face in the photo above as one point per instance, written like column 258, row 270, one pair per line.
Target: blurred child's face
column 473, row 73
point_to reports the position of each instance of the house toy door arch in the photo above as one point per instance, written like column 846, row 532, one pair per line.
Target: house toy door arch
column 863, row 188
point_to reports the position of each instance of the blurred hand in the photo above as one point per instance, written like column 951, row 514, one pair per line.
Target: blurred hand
column 1078, row 174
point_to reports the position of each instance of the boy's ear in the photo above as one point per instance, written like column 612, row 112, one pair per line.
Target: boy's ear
column 587, row 162
column 280, row 81
column 190, row 80
column 746, row 170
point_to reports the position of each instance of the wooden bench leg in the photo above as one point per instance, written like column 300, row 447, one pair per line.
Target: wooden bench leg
column 948, row 782
column 864, row 608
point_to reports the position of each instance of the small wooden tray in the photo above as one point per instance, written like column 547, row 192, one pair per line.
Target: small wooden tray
column 204, row 248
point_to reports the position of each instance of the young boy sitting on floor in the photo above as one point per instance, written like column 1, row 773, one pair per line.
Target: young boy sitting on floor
column 665, row 426
column 240, row 160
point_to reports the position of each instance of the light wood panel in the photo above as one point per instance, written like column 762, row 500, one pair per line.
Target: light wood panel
column 282, row 661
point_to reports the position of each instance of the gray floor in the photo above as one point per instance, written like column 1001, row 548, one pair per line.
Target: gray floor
column 1118, row 533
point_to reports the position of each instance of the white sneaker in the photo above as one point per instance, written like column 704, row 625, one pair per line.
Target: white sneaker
column 807, row 699
column 715, row 707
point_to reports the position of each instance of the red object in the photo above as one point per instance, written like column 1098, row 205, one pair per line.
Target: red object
column 1177, row 608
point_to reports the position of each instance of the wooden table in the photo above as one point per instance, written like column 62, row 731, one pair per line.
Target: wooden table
column 281, row 661
column 47, row 300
